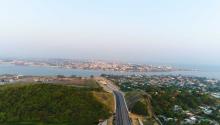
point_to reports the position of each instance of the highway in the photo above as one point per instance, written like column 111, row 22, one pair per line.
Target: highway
column 122, row 116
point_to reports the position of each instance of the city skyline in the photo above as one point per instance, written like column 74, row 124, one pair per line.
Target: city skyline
column 185, row 32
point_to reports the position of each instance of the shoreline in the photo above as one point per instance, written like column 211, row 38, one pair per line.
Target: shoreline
column 53, row 71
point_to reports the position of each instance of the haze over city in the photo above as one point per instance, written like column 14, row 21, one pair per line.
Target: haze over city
column 186, row 32
column 109, row 62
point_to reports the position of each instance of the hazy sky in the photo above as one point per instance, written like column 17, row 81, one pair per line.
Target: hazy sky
column 162, row 31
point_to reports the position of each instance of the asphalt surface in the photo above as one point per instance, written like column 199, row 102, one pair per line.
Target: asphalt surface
column 122, row 116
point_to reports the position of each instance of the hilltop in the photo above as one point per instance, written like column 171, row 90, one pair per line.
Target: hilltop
column 46, row 104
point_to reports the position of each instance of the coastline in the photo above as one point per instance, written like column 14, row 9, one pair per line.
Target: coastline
column 52, row 71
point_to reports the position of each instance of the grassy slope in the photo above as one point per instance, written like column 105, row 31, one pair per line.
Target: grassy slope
column 137, row 103
column 49, row 104
column 141, row 107
column 106, row 98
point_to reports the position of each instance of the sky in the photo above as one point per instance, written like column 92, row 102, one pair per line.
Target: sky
column 156, row 31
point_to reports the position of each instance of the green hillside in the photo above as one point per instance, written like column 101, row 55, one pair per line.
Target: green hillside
column 46, row 104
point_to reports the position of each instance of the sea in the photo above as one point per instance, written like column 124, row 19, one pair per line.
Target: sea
column 212, row 73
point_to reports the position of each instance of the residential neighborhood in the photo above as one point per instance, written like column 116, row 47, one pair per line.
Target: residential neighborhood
column 184, row 100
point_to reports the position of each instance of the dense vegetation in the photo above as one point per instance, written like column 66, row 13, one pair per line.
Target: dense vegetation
column 164, row 99
column 136, row 103
column 140, row 108
column 172, row 100
column 46, row 104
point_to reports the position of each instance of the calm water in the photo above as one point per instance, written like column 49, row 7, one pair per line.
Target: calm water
column 46, row 71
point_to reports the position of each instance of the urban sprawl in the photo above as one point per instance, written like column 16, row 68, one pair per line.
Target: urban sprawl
column 91, row 65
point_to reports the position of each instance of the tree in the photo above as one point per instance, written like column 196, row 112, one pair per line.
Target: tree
column 2, row 116
column 60, row 76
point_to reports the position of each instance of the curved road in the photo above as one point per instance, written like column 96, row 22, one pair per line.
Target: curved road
column 122, row 116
